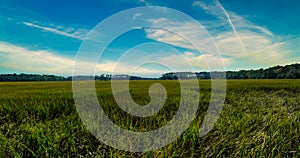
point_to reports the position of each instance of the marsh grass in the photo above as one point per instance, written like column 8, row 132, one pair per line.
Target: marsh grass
column 261, row 118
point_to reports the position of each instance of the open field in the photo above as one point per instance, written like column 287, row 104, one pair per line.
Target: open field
column 261, row 118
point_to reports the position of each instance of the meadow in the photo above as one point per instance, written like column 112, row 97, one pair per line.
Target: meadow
column 261, row 118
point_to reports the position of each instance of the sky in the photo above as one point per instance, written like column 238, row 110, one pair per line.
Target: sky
column 49, row 37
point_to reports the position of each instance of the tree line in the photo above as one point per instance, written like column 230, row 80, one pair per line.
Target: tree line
column 277, row 72
column 37, row 77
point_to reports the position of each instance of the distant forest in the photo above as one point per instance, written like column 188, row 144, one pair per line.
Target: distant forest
column 276, row 72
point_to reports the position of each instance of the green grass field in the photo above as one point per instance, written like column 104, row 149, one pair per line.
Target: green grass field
column 261, row 118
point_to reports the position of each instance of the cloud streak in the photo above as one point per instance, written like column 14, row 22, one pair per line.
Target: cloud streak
column 219, row 5
column 68, row 32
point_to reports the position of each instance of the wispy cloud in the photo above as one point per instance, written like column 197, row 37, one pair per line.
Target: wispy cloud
column 60, row 30
column 136, row 15
column 144, row 2
column 168, row 37
column 209, row 7
column 184, row 31
column 214, row 7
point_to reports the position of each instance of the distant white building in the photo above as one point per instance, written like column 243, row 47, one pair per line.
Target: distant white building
column 186, row 75
column 120, row 77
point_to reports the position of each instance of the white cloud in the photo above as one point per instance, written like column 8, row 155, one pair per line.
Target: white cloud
column 125, row 68
column 236, row 37
column 186, row 34
column 60, row 30
column 168, row 37
column 40, row 61
column 182, row 62
column 253, row 42
column 43, row 61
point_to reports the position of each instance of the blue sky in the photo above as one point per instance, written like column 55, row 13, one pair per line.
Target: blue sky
column 45, row 36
